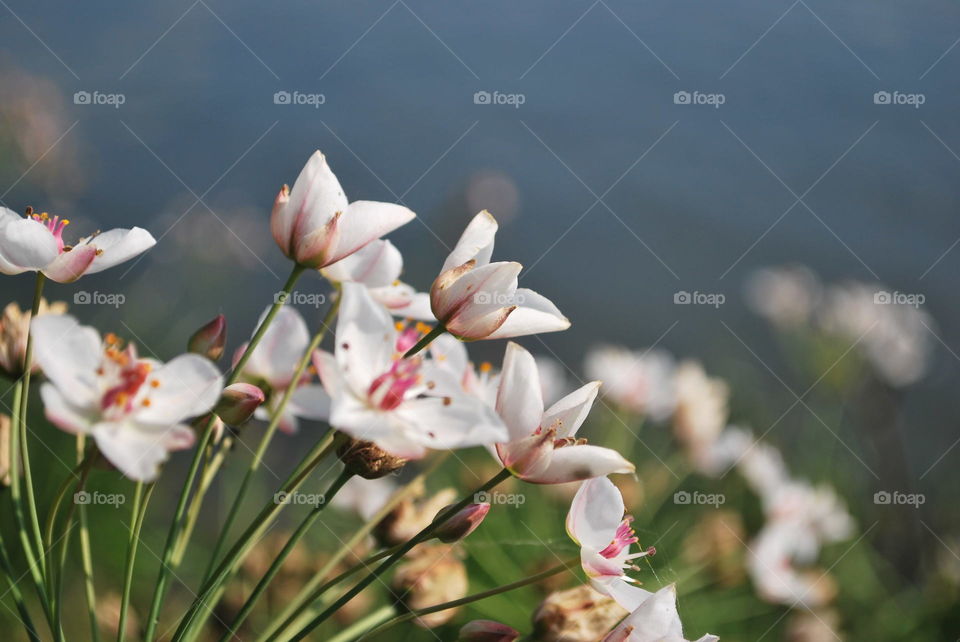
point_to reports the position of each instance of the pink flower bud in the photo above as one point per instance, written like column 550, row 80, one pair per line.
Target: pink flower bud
column 210, row 339
column 462, row 524
column 487, row 631
column 238, row 402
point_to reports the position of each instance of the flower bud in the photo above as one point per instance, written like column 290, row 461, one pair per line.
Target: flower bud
column 431, row 574
column 210, row 340
column 487, row 631
column 410, row 517
column 238, row 402
column 4, row 450
column 366, row 459
column 462, row 524
column 579, row 614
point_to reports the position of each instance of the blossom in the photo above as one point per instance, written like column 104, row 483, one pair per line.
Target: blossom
column 14, row 328
column 786, row 296
column 542, row 446
column 655, row 620
column 701, row 413
column 133, row 407
column 273, row 365
column 35, row 243
column 642, row 382
column 404, row 406
column 476, row 299
column 378, row 267
column 598, row 523
column 314, row 224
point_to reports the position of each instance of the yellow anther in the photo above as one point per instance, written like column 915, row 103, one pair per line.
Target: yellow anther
column 154, row 383
column 486, row 367
column 399, row 326
column 145, row 402
column 423, row 327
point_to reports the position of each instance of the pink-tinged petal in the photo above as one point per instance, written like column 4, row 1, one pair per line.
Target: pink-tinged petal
column 137, row 450
column 63, row 414
column 568, row 414
column 366, row 338
column 69, row 355
column 289, row 424
column 478, row 327
column 310, row 402
column 623, row 592
column 451, row 422
column 595, row 513
column 529, row 457
column 363, row 222
column 28, row 243
column 314, row 200
column 575, row 463
column 475, row 294
column 119, row 245
column 519, row 397
column 187, row 386
column 377, row 265
column 70, row 266
column 403, row 301
column 656, row 619
column 476, row 242
column 281, row 348
column 442, row 305
column 281, row 222
column 535, row 315
column 329, row 371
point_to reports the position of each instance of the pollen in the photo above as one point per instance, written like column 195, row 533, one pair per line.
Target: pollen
column 447, row 401
column 111, row 339
column 121, row 399
column 154, row 383
column 486, row 367
column 145, row 403
column 423, row 327
column 399, row 326
column 99, row 252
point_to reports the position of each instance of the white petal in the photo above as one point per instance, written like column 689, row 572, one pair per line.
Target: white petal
column 568, row 414
column 475, row 294
column 187, row 386
column 475, row 243
column 449, row 353
column 377, row 265
column 536, row 315
column 63, row 414
column 119, row 245
column 519, row 400
column 70, row 266
column 310, row 402
column 69, row 355
column 357, row 419
column 8, row 216
column 452, row 422
column 28, row 243
column 573, row 463
column 281, row 348
column 623, row 592
column 363, row 222
column 595, row 513
column 138, row 451
column 316, row 196
column 656, row 618
column 366, row 338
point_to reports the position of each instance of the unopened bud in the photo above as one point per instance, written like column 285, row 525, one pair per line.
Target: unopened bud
column 487, row 631
column 462, row 524
column 210, row 339
column 366, row 459
column 238, row 402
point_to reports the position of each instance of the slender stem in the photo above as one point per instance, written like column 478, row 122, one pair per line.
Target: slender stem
column 251, row 535
column 15, row 593
column 57, row 567
column 24, row 406
column 211, row 466
column 426, row 340
column 294, row 539
column 163, row 577
column 316, row 586
column 140, row 501
column 275, row 419
column 365, row 624
column 86, row 556
column 423, row 535
column 62, row 491
column 567, row 565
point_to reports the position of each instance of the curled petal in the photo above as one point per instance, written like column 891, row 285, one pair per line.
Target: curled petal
column 70, row 266
column 535, row 314
column 595, row 513
column 568, row 414
column 117, row 246
column 519, row 397
column 576, row 463
column 476, row 242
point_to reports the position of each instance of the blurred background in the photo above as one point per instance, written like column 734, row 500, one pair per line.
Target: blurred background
column 633, row 154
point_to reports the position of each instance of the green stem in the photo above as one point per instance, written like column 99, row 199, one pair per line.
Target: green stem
column 57, row 567
column 86, row 556
column 15, row 593
column 426, row 340
column 76, row 474
column 567, row 565
column 211, row 466
column 365, row 624
column 268, row 435
column 251, row 535
column 423, row 535
column 294, row 539
column 140, row 501
column 316, row 586
column 163, row 577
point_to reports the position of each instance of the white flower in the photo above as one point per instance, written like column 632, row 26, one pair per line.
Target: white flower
column 786, row 296
column 639, row 381
column 404, row 406
column 134, row 408
column 316, row 226
column 35, row 243
column 542, row 446
column 476, row 299
column 701, row 413
column 273, row 364
column 655, row 620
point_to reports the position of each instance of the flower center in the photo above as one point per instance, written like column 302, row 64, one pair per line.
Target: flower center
column 55, row 224
column 624, row 537
column 123, row 374
column 389, row 389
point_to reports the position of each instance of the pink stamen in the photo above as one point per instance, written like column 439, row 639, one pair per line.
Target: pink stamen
column 624, row 537
column 389, row 389
column 56, row 225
